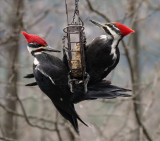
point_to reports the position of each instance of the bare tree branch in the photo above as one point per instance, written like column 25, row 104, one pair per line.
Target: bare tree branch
column 27, row 119
column 57, row 128
column 6, row 139
column 140, row 123
column 38, row 20
column 96, row 11
column 157, row 8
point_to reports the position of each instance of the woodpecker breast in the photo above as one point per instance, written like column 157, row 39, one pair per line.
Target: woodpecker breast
column 113, row 49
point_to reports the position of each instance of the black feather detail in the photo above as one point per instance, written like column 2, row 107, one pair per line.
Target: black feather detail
column 72, row 118
column 101, row 90
column 29, row 75
column 32, row 84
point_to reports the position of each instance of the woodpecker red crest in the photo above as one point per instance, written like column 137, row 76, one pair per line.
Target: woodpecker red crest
column 114, row 29
column 36, row 44
column 123, row 29
column 34, row 39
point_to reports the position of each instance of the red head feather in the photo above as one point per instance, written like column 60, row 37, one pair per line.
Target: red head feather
column 34, row 39
column 124, row 29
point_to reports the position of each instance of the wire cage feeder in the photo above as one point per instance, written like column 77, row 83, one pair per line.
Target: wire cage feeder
column 73, row 47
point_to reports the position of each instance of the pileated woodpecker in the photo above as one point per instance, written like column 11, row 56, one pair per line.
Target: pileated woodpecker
column 52, row 77
column 102, row 54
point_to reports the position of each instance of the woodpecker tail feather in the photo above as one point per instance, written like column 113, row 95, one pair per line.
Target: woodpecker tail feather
column 81, row 120
column 106, row 85
column 104, row 95
column 69, row 117
column 105, row 90
column 29, row 75
column 101, row 90
column 32, row 84
column 72, row 118
column 76, row 115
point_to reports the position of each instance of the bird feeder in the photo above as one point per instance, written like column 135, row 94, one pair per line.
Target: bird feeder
column 73, row 47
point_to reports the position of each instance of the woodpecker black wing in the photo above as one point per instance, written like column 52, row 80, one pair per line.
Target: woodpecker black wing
column 110, row 68
column 101, row 58
column 52, row 77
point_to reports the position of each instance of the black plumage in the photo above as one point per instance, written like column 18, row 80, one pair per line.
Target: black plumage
column 51, row 76
column 99, row 60
column 102, row 54
column 31, row 75
column 31, row 84
column 99, row 90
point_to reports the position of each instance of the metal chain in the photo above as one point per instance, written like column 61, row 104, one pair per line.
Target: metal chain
column 63, row 42
column 76, row 12
column 76, row 7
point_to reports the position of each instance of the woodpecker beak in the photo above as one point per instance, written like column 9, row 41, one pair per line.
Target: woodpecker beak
column 98, row 24
column 48, row 48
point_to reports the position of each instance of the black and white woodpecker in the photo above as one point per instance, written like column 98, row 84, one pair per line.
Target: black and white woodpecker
column 102, row 54
column 52, row 77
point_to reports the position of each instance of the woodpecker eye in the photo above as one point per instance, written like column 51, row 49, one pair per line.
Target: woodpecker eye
column 34, row 45
column 108, row 24
column 115, row 28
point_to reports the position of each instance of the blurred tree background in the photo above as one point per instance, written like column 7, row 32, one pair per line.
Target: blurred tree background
column 27, row 114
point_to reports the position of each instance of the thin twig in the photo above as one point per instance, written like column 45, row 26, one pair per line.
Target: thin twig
column 96, row 11
column 57, row 128
column 38, row 20
column 156, row 8
column 140, row 123
column 27, row 119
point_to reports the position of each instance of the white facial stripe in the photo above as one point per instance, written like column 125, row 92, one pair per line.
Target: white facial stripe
column 115, row 27
column 114, row 34
column 113, row 49
column 36, row 53
column 103, row 37
column 31, row 49
column 34, row 49
column 115, row 42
